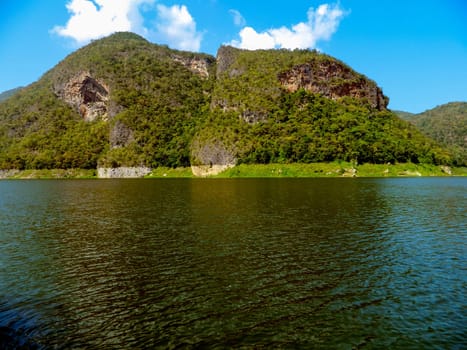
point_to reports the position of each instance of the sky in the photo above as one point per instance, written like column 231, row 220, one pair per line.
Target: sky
column 415, row 50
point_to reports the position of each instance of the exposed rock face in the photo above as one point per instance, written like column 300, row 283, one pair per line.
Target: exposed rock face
column 446, row 169
column 5, row 174
column 120, row 135
column 211, row 158
column 225, row 58
column 333, row 80
column 214, row 152
column 209, row 170
column 197, row 65
column 253, row 117
column 87, row 95
column 122, row 172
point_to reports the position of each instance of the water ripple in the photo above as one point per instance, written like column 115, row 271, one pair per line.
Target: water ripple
column 243, row 264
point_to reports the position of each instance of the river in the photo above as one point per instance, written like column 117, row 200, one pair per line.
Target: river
column 233, row 263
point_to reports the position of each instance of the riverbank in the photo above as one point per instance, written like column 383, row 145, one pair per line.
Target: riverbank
column 334, row 169
column 49, row 174
column 341, row 169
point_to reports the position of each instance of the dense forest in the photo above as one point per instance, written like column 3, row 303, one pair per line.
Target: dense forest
column 447, row 124
column 122, row 101
column 6, row 94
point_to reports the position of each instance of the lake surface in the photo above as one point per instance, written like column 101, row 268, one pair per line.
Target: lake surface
column 242, row 263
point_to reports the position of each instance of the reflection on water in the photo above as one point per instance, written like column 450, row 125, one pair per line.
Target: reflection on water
column 322, row 263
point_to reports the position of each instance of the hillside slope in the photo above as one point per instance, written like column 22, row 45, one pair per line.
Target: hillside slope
column 286, row 106
column 446, row 124
column 7, row 94
column 118, row 101
column 122, row 101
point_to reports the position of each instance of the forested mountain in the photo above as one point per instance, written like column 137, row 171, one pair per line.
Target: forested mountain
column 404, row 115
column 122, row 101
column 6, row 94
column 446, row 124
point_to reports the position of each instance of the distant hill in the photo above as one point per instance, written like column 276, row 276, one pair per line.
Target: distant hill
column 404, row 115
column 6, row 94
column 446, row 124
column 122, row 101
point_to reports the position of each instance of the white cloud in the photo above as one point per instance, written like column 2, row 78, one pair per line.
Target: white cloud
column 177, row 27
column 238, row 19
column 252, row 40
column 91, row 19
column 321, row 24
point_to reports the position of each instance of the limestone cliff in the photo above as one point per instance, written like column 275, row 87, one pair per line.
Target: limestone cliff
column 334, row 80
column 262, row 76
column 86, row 95
column 197, row 65
column 210, row 157
column 226, row 57
column 122, row 172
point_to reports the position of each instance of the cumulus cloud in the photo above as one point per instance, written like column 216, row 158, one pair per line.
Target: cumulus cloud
column 251, row 40
column 177, row 27
column 238, row 19
column 321, row 24
column 93, row 19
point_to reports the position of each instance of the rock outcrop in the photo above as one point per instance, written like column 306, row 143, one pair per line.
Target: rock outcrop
column 251, row 117
column 86, row 95
column 120, row 135
column 5, row 174
column 333, row 80
column 197, row 65
column 209, row 170
column 122, row 172
column 211, row 157
column 226, row 56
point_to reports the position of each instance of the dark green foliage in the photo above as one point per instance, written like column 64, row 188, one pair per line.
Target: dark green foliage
column 404, row 115
column 446, row 124
column 307, row 128
column 247, row 80
column 158, row 98
column 39, row 131
column 7, row 94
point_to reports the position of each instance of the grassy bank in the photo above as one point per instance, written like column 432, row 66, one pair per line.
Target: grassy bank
column 49, row 174
column 341, row 169
column 170, row 172
column 334, row 169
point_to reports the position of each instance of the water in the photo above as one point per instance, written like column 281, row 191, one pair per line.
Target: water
column 312, row 263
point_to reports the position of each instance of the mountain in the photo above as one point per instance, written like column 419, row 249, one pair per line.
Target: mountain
column 122, row 101
column 7, row 94
column 117, row 101
column 404, row 115
column 446, row 124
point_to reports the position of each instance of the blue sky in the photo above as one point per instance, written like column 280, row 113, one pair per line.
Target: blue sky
column 415, row 50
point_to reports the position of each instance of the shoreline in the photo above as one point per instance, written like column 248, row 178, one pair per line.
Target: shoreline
column 311, row 170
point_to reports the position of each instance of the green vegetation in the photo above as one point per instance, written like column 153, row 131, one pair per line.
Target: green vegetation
column 446, row 124
column 169, row 109
column 171, row 172
column 50, row 174
column 157, row 98
column 249, row 81
column 39, row 131
column 7, row 94
column 334, row 169
column 305, row 127
column 323, row 169
column 340, row 169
